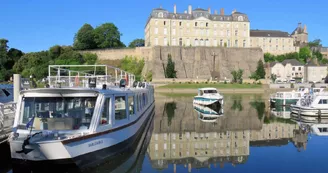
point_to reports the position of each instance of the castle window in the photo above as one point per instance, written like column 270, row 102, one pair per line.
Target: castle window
column 236, row 43
column 165, row 41
column 195, row 23
column 165, row 31
column 180, row 42
column 240, row 18
column 180, row 23
column 156, row 30
column 244, row 43
column 160, row 15
column 164, row 23
column 173, row 23
column 206, row 24
column 196, row 42
column 236, row 32
column 221, row 42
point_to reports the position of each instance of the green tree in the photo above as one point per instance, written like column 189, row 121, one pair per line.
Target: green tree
column 107, row 35
column 324, row 61
column 269, row 57
column 237, row 76
column 55, row 51
column 89, row 58
column 85, row 38
column 137, row 43
column 170, row 68
column 149, row 76
column 305, row 53
column 273, row 77
column 315, row 43
column 132, row 65
column 260, row 71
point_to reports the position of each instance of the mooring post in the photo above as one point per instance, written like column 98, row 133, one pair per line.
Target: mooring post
column 17, row 86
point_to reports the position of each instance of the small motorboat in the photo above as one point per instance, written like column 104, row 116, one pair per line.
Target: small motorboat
column 208, row 96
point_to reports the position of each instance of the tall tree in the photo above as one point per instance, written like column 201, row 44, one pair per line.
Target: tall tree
column 85, row 38
column 315, row 43
column 305, row 53
column 260, row 71
column 13, row 55
column 170, row 68
column 107, row 35
column 137, row 43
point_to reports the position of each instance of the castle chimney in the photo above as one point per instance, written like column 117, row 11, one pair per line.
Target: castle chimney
column 300, row 25
column 209, row 10
column 222, row 11
column 175, row 9
column 215, row 11
column 189, row 9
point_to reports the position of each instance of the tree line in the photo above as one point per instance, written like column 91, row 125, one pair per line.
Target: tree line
column 311, row 51
column 106, row 35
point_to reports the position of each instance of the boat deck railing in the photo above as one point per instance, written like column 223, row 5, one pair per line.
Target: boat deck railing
column 80, row 75
column 7, row 115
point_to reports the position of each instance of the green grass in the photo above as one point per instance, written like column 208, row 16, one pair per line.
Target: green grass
column 203, row 85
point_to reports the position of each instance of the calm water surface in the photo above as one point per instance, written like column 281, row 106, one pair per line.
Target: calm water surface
column 247, row 136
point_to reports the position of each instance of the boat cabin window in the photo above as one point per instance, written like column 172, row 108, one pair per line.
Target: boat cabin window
column 105, row 115
column 210, row 91
column 137, row 102
column 140, row 102
column 120, row 108
column 323, row 129
column 57, row 113
column 131, row 105
column 323, row 101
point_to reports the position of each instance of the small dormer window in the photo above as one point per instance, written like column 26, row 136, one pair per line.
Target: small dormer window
column 240, row 18
column 160, row 15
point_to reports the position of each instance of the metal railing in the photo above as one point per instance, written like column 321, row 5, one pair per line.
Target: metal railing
column 79, row 75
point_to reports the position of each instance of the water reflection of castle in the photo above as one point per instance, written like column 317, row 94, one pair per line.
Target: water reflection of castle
column 182, row 139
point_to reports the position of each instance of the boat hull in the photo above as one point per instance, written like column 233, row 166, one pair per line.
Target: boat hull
column 85, row 152
column 207, row 101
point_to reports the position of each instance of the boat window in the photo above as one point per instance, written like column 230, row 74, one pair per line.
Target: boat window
column 131, row 105
column 140, row 101
column 57, row 113
column 324, row 129
column 323, row 101
column 210, row 91
column 105, row 115
column 120, row 110
column 137, row 102
column 144, row 98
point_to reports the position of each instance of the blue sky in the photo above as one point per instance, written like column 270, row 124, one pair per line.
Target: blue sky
column 34, row 25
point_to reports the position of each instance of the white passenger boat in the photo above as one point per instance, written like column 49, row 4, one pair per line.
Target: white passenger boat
column 80, row 126
column 289, row 98
column 208, row 96
column 311, row 108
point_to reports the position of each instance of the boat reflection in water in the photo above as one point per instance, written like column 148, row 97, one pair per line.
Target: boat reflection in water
column 207, row 114
column 186, row 142
column 281, row 112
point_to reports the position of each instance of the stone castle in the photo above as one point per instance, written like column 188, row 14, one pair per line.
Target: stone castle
column 205, row 45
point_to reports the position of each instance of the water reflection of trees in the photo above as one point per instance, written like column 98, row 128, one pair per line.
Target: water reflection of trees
column 236, row 105
column 260, row 108
column 170, row 108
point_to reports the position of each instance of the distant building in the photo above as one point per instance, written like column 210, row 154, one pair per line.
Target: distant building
column 274, row 42
column 198, row 27
column 324, row 52
column 300, row 35
column 315, row 72
column 288, row 69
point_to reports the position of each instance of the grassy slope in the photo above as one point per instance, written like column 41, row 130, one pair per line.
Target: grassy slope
column 195, row 86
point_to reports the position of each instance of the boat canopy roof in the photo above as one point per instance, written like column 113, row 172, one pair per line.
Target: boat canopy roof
column 112, row 90
column 207, row 89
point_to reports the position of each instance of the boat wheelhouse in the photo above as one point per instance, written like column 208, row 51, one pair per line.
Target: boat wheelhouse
column 208, row 112
column 81, row 125
column 320, row 129
column 311, row 108
column 208, row 96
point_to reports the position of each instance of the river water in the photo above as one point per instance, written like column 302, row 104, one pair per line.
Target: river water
column 246, row 136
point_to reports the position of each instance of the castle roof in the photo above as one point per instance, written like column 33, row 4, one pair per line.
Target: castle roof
column 299, row 30
column 268, row 33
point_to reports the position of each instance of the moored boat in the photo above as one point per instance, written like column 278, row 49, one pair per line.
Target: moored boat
column 289, row 98
column 311, row 108
column 208, row 96
column 319, row 129
column 208, row 111
column 81, row 126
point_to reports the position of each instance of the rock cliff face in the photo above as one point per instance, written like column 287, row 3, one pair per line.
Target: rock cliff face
column 199, row 62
